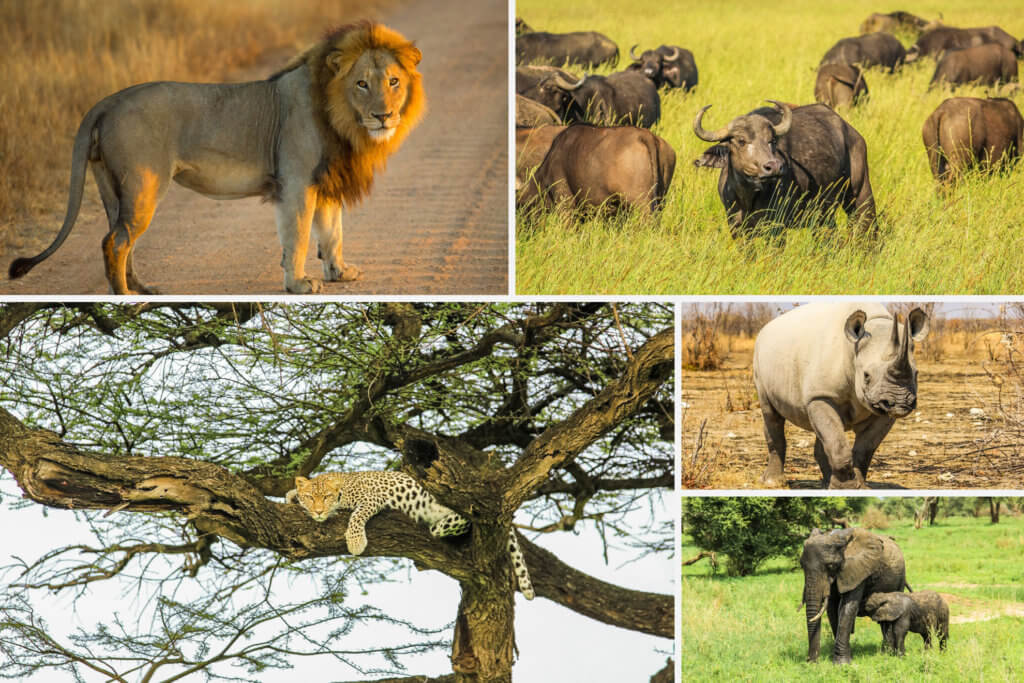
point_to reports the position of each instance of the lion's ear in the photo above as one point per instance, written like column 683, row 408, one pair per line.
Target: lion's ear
column 409, row 55
column 333, row 61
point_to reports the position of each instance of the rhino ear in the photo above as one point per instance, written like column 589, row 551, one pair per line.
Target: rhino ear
column 861, row 557
column 918, row 320
column 854, row 327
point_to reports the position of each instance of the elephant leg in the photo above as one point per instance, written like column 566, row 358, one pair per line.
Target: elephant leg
column 900, row 628
column 775, row 437
column 847, row 617
column 867, row 437
column 828, row 427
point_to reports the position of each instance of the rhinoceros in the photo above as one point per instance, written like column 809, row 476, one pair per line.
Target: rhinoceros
column 833, row 367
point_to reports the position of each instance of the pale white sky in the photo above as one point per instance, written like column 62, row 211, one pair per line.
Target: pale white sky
column 555, row 644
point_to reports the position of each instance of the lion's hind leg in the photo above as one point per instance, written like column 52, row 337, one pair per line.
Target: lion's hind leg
column 130, row 206
column 327, row 228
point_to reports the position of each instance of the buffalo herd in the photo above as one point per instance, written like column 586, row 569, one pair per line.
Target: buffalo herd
column 583, row 140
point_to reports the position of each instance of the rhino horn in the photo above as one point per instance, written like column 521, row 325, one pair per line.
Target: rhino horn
column 894, row 338
column 904, row 358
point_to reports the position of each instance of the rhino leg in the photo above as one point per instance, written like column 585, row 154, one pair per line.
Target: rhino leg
column 868, row 436
column 823, row 463
column 828, row 427
column 775, row 436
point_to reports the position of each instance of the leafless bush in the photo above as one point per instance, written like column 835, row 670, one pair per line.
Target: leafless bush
column 701, row 343
column 874, row 518
column 698, row 464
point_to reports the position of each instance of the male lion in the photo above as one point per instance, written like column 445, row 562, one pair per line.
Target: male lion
column 309, row 139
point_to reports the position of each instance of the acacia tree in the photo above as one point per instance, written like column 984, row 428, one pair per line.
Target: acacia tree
column 177, row 429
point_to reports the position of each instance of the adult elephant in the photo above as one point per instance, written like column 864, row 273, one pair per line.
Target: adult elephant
column 841, row 569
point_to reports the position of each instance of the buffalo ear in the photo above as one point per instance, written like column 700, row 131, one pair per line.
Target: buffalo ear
column 860, row 558
column 673, row 75
column 713, row 157
column 918, row 320
column 854, row 327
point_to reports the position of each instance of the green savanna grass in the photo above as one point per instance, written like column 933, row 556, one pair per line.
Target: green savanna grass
column 753, row 629
column 968, row 242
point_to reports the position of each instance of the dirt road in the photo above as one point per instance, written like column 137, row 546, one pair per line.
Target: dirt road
column 956, row 439
column 435, row 223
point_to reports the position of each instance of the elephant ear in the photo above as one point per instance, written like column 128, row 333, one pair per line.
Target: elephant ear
column 862, row 555
column 885, row 607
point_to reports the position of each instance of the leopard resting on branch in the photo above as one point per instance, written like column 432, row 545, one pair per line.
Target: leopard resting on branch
column 367, row 493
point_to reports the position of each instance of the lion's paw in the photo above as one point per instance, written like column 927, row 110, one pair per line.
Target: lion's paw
column 305, row 285
column 347, row 273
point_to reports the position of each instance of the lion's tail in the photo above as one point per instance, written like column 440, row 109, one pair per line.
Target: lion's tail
column 81, row 153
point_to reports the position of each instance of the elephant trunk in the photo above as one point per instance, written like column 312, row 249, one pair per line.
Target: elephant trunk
column 816, row 595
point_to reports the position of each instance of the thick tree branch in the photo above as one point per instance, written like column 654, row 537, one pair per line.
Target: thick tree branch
column 650, row 367
column 651, row 613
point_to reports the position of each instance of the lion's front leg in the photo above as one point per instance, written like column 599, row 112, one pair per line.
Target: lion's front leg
column 294, row 217
column 327, row 228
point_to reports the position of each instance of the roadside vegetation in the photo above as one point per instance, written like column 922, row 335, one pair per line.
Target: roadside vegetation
column 751, row 628
column 966, row 242
column 61, row 57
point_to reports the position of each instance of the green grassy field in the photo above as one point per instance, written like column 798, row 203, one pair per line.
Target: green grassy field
column 968, row 242
column 753, row 629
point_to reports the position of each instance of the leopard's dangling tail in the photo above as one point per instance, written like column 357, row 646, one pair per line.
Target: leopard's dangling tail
column 519, row 566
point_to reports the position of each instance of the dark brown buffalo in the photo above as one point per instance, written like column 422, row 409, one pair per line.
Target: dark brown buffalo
column 935, row 41
column 893, row 22
column 987, row 64
column 874, row 49
column 609, row 168
column 967, row 131
column 522, row 26
column 586, row 48
column 839, row 85
column 532, row 113
column 536, row 83
column 623, row 97
column 532, row 145
column 779, row 162
column 668, row 65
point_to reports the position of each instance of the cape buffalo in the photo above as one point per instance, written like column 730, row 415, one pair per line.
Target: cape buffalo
column 893, row 22
column 987, row 64
column 532, row 145
column 532, row 113
column 874, row 49
column 586, row 48
column 839, row 85
column 964, row 131
column 778, row 162
column 668, row 65
column 538, row 84
column 830, row 368
column 622, row 97
column 934, row 41
column 612, row 168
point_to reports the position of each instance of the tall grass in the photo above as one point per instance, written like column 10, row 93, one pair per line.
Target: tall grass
column 968, row 241
column 752, row 628
column 62, row 56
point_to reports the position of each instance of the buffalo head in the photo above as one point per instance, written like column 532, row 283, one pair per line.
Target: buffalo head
column 651, row 63
column 885, row 376
column 750, row 142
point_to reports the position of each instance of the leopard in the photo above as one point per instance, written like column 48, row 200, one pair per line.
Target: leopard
column 367, row 493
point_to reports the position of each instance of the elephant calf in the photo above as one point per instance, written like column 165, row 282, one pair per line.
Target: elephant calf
column 924, row 612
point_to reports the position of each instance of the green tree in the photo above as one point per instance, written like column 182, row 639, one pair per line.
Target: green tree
column 749, row 530
column 175, row 431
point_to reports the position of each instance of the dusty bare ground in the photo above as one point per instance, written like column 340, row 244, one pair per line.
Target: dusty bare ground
column 940, row 446
column 436, row 222
column 973, row 609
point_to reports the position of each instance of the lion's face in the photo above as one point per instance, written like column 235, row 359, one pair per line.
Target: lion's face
column 377, row 87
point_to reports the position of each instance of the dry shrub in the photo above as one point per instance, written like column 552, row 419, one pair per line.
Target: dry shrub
column 701, row 343
column 699, row 463
column 60, row 57
column 874, row 518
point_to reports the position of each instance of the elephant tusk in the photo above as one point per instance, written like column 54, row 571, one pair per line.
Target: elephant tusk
column 820, row 612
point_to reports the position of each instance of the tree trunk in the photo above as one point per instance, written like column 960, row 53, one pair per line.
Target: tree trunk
column 993, row 510
column 484, row 644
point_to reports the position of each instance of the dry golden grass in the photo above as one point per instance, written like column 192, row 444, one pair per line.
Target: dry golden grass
column 61, row 57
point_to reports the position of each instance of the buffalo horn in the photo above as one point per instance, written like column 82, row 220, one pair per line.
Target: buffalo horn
column 632, row 53
column 566, row 85
column 713, row 136
column 674, row 55
column 787, row 119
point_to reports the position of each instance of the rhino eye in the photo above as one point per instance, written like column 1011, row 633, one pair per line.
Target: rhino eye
column 867, row 378
column 741, row 141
